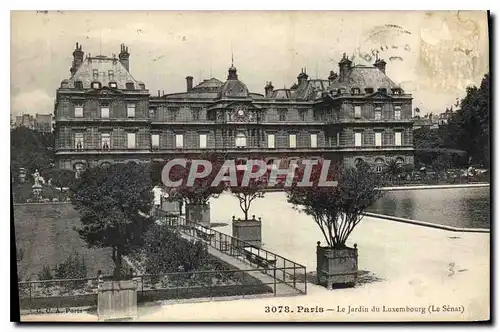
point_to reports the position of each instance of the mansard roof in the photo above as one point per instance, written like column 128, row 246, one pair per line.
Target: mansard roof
column 363, row 77
column 104, row 65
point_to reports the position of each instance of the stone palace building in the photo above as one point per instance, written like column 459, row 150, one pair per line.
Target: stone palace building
column 104, row 115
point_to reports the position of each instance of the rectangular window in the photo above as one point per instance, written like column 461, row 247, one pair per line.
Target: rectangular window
column 282, row 116
column 241, row 140
column 357, row 112
column 95, row 74
column 79, row 141
column 111, row 75
column 357, row 139
column 303, row 116
column 378, row 139
column 378, row 114
column 131, row 111
column 96, row 85
column 131, row 140
column 78, row 112
column 314, row 140
column 196, row 114
column 105, row 141
column 270, row 141
column 155, row 140
column 179, row 141
column 293, row 141
column 397, row 113
column 397, row 138
column 105, row 112
column 203, row 141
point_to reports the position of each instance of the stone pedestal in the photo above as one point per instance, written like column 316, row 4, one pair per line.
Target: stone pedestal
column 37, row 192
column 199, row 214
column 117, row 300
column 248, row 231
column 336, row 267
column 22, row 175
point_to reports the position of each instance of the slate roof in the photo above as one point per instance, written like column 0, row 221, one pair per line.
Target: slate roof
column 211, row 83
column 363, row 77
column 311, row 89
column 103, row 65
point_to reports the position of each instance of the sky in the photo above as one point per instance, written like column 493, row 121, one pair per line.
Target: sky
column 432, row 55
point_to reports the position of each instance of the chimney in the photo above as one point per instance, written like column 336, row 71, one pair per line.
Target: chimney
column 124, row 56
column 77, row 59
column 302, row 76
column 189, row 83
column 380, row 64
column 345, row 66
column 269, row 88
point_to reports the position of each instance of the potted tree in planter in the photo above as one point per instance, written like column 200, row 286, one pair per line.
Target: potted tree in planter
column 337, row 210
column 113, row 203
column 247, row 229
column 196, row 196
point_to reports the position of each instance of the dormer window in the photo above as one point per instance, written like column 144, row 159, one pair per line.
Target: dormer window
column 112, row 85
column 382, row 90
column 130, row 86
column 396, row 91
column 96, row 85
column 369, row 90
column 79, row 85
column 356, row 91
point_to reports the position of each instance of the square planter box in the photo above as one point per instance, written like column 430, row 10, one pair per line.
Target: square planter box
column 336, row 267
column 117, row 300
column 199, row 214
column 171, row 207
column 248, row 231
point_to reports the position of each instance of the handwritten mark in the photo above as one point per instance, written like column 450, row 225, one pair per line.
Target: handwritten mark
column 158, row 58
column 394, row 58
column 451, row 269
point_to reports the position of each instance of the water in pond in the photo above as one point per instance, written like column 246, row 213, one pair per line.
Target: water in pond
column 457, row 207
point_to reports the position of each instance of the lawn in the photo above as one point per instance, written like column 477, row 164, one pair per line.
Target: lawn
column 46, row 234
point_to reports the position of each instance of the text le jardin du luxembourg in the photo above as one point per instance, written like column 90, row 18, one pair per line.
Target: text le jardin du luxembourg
column 380, row 309
column 254, row 169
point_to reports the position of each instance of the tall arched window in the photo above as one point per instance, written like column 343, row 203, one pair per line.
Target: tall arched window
column 241, row 140
column 358, row 161
column 379, row 165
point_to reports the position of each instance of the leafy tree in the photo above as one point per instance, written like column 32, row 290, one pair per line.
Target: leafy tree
column 61, row 178
column 337, row 210
column 201, row 190
column 114, row 203
column 30, row 149
column 247, row 193
column 393, row 168
column 470, row 125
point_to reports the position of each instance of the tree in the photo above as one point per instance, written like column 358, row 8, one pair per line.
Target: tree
column 393, row 168
column 61, row 178
column 30, row 149
column 201, row 190
column 114, row 203
column 337, row 210
column 469, row 127
column 247, row 193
